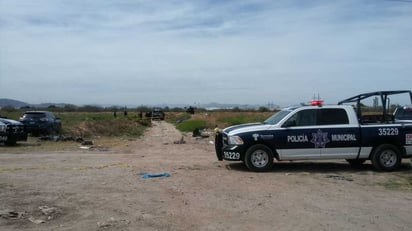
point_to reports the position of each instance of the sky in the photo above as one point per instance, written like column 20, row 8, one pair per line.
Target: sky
column 146, row 52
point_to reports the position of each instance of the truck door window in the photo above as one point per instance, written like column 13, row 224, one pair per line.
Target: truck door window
column 330, row 116
column 306, row 118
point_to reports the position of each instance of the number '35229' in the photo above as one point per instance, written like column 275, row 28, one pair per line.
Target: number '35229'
column 388, row 132
column 232, row 155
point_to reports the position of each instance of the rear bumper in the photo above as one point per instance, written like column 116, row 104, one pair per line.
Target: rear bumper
column 408, row 151
column 38, row 128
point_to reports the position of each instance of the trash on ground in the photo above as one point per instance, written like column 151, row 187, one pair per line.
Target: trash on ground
column 181, row 141
column 36, row 221
column 201, row 132
column 95, row 148
column 339, row 177
column 112, row 222
column 48, row 211
column 87, row 142
column 152, row 175
column 10, row 214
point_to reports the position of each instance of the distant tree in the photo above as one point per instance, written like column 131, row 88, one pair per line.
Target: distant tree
column 190, row 110
column 143, row 108
column 263, row 109
column 236, row 109
column 90, row 108
column 177, row 109
column 70, row 107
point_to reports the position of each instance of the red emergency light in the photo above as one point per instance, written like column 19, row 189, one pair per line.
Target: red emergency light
column 316, row 102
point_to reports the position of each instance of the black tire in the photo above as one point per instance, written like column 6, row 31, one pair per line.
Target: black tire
column 49, row 131
column 218, row 146
column 356, row 162
column 386, row 157
column 10, row 143
column 58, row 129
column 259, row 158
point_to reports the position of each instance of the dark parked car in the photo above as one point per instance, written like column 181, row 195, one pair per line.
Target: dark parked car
column 41, row 122
column 11, row 131
column 403, row 114
column 156, row 114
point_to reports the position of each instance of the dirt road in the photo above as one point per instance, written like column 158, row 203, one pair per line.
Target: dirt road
column 102, row 190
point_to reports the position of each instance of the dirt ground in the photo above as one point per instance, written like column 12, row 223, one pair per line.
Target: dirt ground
column 102, row 189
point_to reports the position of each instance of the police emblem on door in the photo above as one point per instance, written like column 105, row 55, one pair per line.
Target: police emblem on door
column 320, row 139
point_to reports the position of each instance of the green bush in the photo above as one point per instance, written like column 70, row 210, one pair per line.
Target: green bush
column 191, row 125
column 241, row 119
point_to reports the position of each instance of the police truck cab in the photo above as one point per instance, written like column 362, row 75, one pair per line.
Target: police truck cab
column 319, row 132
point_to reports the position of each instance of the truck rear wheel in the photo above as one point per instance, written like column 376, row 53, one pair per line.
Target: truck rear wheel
column 386, row 157
column 259, row 158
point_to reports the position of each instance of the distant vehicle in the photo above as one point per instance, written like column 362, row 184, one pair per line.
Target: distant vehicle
column 11, row 131
column 41, row 123
column 403, row 114
column 156, row 114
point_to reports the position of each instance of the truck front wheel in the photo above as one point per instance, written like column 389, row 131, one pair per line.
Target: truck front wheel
column 386, row 157
column 259, row 158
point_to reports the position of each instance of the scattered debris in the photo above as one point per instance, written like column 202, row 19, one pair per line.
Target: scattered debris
column 180, row 120
column 196, row 132
column 112, row 222
column 87, row 142
column 201, row 132
column 339, row 177
column 10, row 214
column 48, row 214
column 36, row 221
column 95, row 148
column 48, row 211
column 85, row 147
column 181, row 141
column 152, row 175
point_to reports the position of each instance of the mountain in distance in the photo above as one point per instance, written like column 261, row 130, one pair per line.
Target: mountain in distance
column 12, row 103
column 4, row 102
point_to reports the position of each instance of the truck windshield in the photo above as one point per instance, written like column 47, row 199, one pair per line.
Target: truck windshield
column 275, row 118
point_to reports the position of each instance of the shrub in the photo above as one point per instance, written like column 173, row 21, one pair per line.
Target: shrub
column 191, row 125
column 241, row 118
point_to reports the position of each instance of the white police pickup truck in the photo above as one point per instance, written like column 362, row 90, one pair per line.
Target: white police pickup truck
column 318, row 133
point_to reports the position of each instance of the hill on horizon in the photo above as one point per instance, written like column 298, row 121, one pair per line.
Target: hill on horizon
column 4, row 102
